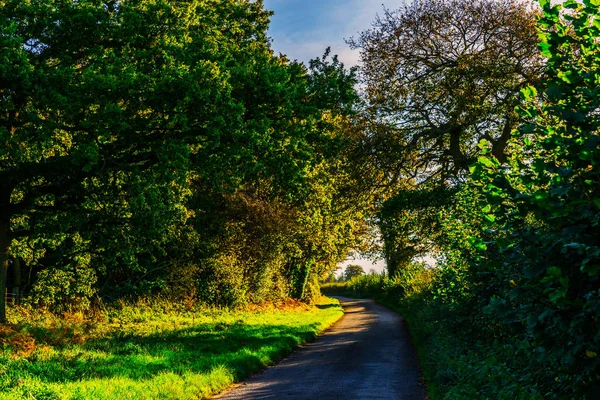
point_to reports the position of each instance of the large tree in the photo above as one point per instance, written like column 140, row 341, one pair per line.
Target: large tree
column 439, row 76
column 116, row 116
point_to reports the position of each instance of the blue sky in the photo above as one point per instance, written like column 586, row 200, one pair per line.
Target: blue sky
column 302, row 29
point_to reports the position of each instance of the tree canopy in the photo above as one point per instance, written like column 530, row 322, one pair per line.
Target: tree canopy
column 134, row 131
column 442, row 75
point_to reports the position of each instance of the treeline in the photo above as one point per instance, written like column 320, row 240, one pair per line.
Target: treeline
column 488, row 116
column 157, row 146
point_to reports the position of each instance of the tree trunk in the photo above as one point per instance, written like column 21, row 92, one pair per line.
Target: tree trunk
column 5, row 240
column 17, row 281
column 301, row 280
column 499, row 146
column 4, row 245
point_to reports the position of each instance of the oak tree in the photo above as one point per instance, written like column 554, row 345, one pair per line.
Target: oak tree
column 439, row 76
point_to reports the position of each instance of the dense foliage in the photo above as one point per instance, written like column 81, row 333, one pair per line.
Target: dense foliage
column 157, row 145
column 512, row 309
column 546, row 204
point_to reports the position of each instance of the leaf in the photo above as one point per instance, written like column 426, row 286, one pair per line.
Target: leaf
column 570, row 4
column 532, row 321
column 487, row 162
column 554, row 272
column 529, row 93
column 548, row 313
column 590, row 269
column 545, row 49
column 567, row 76
column 478, row 243
column 490, row 217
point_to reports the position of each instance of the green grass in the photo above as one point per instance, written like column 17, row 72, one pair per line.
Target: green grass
column 144, row 352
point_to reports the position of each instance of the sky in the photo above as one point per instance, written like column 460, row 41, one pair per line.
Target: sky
column 303, row 29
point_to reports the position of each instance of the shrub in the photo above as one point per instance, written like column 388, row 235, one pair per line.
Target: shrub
column 61, row 289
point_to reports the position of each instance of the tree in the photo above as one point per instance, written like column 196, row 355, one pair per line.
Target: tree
column 85, row 99
column 439, row 76
column 123, row 122
column 410, row 225
column 353, row 271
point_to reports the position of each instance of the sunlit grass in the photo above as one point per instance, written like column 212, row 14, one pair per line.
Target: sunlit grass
column 143, row 352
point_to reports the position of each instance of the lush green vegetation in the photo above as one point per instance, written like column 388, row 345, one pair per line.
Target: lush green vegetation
column 149, row 349
column 161, row 147
column 457, row 360
column 511, row 214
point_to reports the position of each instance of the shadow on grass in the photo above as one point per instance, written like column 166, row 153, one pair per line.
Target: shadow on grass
column 243, row 349
column 326, row 306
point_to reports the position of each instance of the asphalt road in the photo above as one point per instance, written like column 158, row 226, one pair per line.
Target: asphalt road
column 365, row 355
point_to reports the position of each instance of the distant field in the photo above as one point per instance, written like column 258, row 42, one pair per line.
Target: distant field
column 147, row 352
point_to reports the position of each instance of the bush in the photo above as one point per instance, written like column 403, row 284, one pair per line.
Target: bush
column 62, row 289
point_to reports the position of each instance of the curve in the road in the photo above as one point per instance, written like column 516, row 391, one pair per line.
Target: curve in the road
column 366, row 355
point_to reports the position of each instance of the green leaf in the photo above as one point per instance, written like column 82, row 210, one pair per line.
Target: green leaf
column 488, row 162
column 557, row 295
column 532, row 321
column 529, row 93
column 490, row 217
column 478, row 243
column 554, row 272
column 570, row 4
column 545, row 49
column 567, row 76
column 590, row 269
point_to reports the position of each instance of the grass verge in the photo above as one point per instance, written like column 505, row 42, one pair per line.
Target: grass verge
column 145, row 352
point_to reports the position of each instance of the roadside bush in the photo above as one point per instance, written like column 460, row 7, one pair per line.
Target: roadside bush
column 62, row 289
column 367, row 285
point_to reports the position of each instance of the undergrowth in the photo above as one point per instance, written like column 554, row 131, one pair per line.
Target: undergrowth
column 463, row 355
column 150, row 349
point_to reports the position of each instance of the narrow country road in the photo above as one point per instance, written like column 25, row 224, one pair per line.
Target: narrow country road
column 365, row 355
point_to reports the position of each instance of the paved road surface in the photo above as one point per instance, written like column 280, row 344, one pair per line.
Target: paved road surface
column 366, row 355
